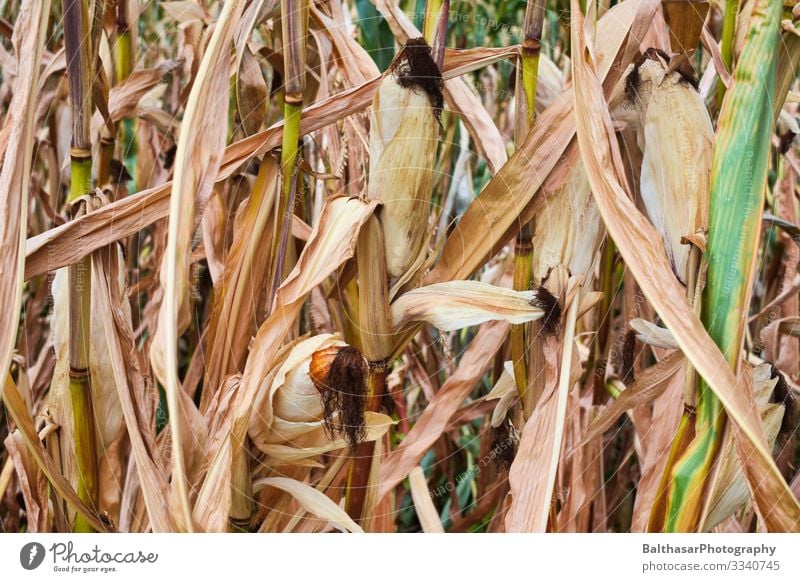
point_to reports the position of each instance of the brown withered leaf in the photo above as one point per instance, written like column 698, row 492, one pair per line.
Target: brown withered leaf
column 66, row 244
column 28, row 40
column 201, row 146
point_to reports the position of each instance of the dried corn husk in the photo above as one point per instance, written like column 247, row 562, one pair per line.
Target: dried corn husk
column 685, row 20
column 288, row 419
column 104, row 395
column 568, row 229
column 107, row 409
column 505, row 392
column 676, row 137
column 404, row 133
column 457, row 304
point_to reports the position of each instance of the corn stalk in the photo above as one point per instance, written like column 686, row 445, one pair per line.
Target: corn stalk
column 294, row 23
column 726, row 43
column 79, row 72
column 123, row 65
column 523, row 250
column 741, row 158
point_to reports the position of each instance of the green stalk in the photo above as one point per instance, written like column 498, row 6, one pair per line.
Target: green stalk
column 294, row 23
column 77, row 41
column 123, row 65
column 726, row 43
column 429, row 26
column 291, row 134
column 523, row 258
column 80, row 298
column 739, row 173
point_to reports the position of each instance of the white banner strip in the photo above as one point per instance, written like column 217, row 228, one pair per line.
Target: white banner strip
column 353, row 558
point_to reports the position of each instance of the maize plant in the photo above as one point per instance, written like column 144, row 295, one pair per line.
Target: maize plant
column 281, row 267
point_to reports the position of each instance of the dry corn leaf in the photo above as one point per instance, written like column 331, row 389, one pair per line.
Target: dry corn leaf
column 457, row 304
column 314, row 502
column 28, row 40
column 423, row 504
column 112, row 308
column 32, row 482
column 251, row 93
column 197, row 161
column 532, row 475
column 238, row 292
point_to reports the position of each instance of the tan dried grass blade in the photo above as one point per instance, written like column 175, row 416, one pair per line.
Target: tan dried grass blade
column 314, row 502
column 423, row 504
column 200, row 151
column 533, row 473
column 28, row 39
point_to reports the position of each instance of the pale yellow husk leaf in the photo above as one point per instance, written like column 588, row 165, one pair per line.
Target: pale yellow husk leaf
column 457, row 304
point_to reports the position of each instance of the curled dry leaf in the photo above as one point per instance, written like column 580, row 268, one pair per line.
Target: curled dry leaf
column 314, row 502
column 457, row 304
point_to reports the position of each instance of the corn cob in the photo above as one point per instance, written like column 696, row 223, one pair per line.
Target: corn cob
column 404, row 133
column 675, row 134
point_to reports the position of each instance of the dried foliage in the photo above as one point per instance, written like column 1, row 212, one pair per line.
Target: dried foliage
column 405, row 273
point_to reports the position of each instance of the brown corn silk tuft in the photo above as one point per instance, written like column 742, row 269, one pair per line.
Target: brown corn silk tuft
column 339, row 374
